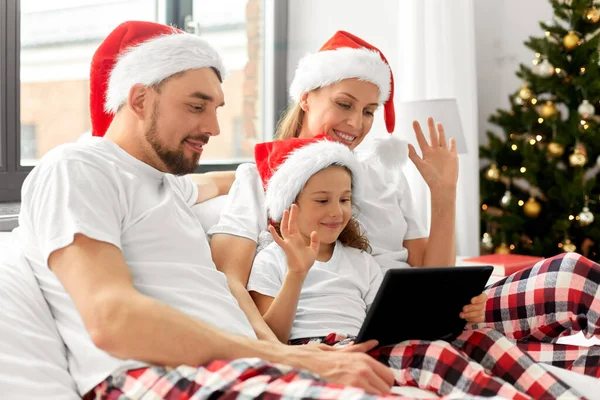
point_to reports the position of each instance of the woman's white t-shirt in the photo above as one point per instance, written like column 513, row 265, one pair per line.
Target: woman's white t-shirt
column 386, row 213
column 335, row 295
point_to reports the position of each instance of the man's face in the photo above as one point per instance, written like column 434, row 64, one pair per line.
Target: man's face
column 183, row 118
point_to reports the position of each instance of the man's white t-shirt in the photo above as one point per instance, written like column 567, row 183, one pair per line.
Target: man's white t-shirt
column 95, row 188
column 335, row 295
column 386, row 212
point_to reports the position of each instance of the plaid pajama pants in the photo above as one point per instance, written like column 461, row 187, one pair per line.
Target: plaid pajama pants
column 526, row 313
column 556, row 297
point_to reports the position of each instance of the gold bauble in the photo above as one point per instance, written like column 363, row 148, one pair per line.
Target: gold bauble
column 586, row 217
column 568, row 246
column 556, row 149
column 548, row 110
column 525, row 93
column 502, row 249
column 571, row 40
column 493, row 173
column 592, row 15
column 532, row 208
column 578, row 158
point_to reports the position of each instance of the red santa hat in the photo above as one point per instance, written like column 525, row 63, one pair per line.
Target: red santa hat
column 342, row 57
column 141, row 52
column 286, row 165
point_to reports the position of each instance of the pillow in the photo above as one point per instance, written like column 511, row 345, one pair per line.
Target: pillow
column 208, row 212
column 33, row 361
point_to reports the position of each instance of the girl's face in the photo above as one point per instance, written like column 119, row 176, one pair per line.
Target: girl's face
column 325, row 204
column 343, row 110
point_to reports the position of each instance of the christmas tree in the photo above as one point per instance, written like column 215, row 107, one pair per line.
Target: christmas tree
column 539, row 193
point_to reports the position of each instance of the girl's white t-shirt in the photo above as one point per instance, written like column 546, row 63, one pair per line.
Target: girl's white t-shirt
column 335, row 295
column 386, row 213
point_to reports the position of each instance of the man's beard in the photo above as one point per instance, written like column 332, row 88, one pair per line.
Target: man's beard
column 174, row 160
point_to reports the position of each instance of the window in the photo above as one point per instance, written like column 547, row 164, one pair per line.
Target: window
column 48, row 46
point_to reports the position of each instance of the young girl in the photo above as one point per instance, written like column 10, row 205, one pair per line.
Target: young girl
column 317, row 277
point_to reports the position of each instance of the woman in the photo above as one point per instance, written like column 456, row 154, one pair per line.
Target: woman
column 337, row 91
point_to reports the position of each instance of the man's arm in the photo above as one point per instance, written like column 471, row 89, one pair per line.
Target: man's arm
column 129, row 325
column 212, row 184
column 233, row 256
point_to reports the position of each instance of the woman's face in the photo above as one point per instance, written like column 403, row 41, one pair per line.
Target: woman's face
column 343, row 110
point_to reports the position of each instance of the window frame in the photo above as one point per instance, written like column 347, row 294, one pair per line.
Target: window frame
column 12, row 174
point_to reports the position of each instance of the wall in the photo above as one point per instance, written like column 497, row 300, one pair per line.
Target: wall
column 501, row 27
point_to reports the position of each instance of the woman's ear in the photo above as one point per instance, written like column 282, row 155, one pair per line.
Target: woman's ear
column 304, row 101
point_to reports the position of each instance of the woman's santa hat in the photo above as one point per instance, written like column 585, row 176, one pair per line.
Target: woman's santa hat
column 138, row 52
column 342, row 57
column 285, row 166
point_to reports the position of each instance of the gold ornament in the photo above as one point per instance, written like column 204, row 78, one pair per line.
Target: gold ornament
column 502, row 249
column 556, row 149
column 592, row 15
column 579, row 157
column 486, row 242
column 525, row 93
column 532, row 208
column 548, row 110
column 493, row 173
column 586, row 217
column 567, row 246
column 571, row 40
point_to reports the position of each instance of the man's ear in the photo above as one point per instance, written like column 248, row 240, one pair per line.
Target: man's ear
column 304, row 101
column 138, row 100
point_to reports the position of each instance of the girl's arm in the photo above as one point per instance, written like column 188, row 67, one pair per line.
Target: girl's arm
column 279, row 312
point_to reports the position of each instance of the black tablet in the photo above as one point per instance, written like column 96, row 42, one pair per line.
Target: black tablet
column 422, row 303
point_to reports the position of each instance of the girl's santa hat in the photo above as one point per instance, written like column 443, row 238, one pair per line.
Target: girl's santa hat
column 342, row 57
column 141, row 52
column 285, row 166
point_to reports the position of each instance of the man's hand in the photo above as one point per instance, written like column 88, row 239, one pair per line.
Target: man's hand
column 474, row 313
column 348, row 366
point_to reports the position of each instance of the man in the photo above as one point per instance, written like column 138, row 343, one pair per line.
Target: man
column 124, row 264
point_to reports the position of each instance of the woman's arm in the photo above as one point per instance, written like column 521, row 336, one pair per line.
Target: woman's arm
column 212, row 184
column 439, row 249
column 439, row 168
column 233, row 256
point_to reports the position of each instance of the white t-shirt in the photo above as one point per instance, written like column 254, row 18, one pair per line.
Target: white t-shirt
column 386, row 213
column 335, row 294
column 95, row 188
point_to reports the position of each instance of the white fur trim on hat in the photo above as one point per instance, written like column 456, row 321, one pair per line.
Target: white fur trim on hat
column 154, row 60
column 331, row 66
column 300, row 165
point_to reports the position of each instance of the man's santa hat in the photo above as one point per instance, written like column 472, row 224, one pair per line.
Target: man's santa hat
column 285, row 166
column 342, row 57
column 137, row 52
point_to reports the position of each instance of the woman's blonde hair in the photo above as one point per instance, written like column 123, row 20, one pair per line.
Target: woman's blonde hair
column 290, row 124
